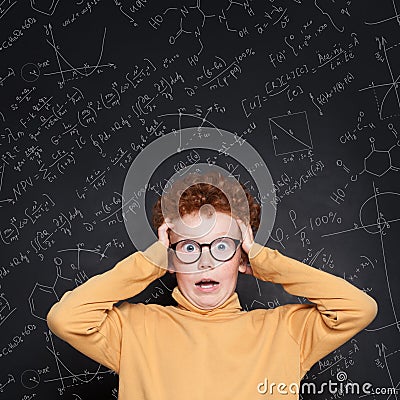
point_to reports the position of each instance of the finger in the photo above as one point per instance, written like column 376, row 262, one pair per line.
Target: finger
column 242, row 226
column 247, row 235
column 163, row 232
column 250, row 233
column 246, row 230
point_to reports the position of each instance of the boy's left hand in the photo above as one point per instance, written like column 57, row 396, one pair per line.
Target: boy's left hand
column 247, row 240
column 163, row 232
column 247, row 235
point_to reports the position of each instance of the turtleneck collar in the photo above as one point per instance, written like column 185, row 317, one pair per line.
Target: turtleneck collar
column 231, row 305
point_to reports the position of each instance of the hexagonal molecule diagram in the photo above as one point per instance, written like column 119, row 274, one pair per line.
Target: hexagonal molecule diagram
column 43, row 297
column 46, row 7
column 378, row 162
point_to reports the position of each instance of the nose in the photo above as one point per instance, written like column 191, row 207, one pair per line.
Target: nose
column 206, row 260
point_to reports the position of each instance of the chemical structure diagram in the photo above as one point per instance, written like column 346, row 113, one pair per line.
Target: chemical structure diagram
column 44, row 7
column 42, row 296
column 376, row 163
column 379, row 162
column 192, row 20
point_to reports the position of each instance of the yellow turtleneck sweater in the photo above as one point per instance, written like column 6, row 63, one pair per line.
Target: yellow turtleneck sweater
column 186, row 353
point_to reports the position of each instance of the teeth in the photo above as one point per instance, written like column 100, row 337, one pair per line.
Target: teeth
column 206, row 284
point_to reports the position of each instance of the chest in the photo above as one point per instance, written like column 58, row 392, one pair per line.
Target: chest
column 217, row 345
column 204, row 357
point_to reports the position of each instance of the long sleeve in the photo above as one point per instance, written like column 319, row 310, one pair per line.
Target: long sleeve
column 87, row 318
column 339, row 312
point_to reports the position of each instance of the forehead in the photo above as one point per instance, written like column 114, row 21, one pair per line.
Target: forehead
column 192, row 226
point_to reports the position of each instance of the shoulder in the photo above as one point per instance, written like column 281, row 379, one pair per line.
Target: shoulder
column 130, row 310
column 283, row 314
column 288, row 310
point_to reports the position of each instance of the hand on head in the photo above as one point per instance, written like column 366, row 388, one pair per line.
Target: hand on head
column 163, row 232
column 247, row 240
column 247, row 235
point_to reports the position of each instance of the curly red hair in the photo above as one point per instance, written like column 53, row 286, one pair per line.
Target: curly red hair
column 196, row 190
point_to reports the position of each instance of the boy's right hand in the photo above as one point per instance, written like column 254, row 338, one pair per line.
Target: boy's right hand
column 163, row 232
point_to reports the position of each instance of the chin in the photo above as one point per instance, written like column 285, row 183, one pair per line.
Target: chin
column 208, row 304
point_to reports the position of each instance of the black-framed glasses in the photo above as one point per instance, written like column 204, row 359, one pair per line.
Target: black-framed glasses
column 221, row 249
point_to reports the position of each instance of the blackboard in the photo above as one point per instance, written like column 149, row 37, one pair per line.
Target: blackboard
column 87, row 86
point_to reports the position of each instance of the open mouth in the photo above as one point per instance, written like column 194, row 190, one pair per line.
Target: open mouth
column 206, row 283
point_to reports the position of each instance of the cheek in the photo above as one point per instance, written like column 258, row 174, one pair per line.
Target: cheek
column 231, row 268
column 237, row 258
column 183, row 280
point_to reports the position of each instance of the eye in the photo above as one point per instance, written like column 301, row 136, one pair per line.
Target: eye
column 188, row 247
column 223, row 245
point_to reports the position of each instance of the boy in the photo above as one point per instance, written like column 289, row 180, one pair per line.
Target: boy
column 207, row 347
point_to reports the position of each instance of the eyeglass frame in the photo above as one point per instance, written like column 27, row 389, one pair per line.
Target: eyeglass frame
column 236, row 241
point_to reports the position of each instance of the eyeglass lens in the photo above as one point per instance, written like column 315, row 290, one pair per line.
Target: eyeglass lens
column 221, row 249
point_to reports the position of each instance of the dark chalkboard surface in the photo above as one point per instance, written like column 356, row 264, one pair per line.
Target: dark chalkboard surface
column 312, row 87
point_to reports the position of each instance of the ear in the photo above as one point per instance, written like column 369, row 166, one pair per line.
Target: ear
column 242, row 267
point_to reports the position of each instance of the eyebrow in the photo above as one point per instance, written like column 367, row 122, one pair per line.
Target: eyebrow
column 195, row 240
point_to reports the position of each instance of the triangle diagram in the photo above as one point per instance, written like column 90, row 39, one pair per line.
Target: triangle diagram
column 290, row 133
